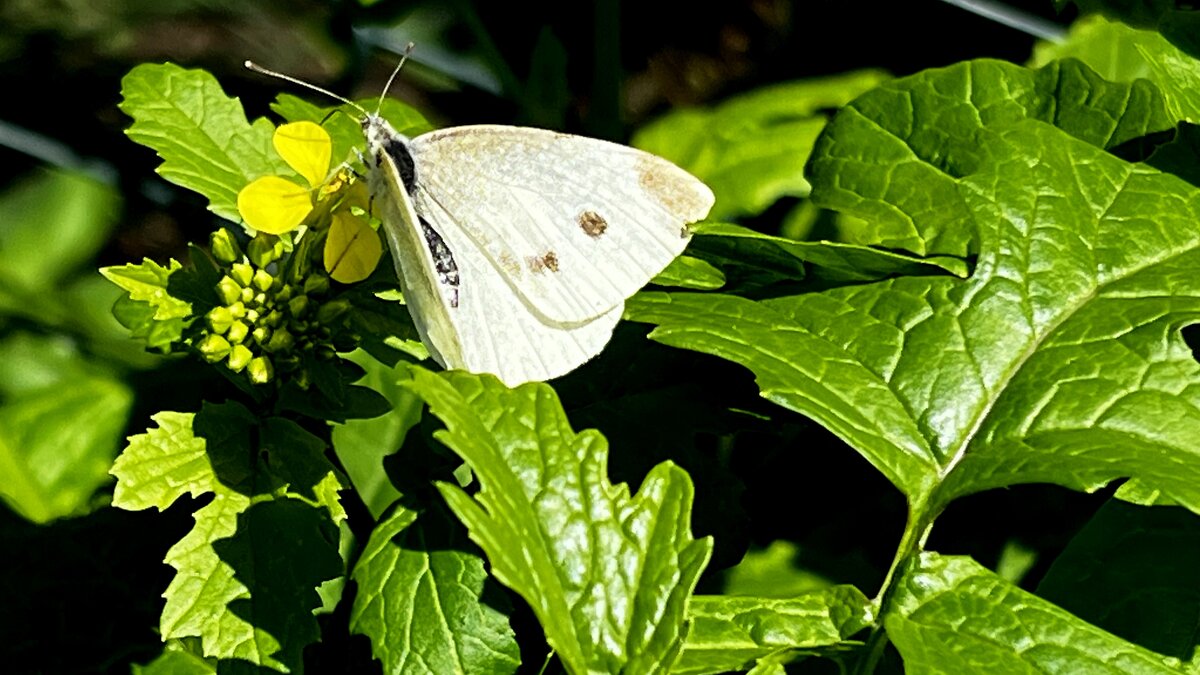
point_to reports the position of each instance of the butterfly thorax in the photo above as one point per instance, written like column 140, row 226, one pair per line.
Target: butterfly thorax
column 384, row 140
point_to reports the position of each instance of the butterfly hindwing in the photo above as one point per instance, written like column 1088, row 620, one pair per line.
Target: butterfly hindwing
column 574, row 225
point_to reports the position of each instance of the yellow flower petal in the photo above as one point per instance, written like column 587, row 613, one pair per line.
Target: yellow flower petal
column 274, row 205
column 306, row 147
column 352, row 248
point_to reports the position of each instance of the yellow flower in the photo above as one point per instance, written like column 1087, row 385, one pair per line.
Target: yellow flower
column 274, row 204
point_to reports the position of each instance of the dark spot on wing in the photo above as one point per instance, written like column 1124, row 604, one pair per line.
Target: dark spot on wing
column 593, row 224
column 541, row 263
column 443, row 262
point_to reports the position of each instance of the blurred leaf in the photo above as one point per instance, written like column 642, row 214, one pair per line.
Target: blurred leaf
column 751, row 149
column 57, row 443
column 950, row 615
column 202, row 135
column 732, row 633
column 1059, row 361
column 772, row 573
column 248, row 572
column 50, row 224
column 546, row 94
column 894, row 156
column 176, row 660
column 1134, row 571
column 1121, row 53
column 608, row 575
column 420, row 600
column 1179, row 22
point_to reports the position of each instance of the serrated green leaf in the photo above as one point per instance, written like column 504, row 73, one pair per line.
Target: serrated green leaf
column 1122, row 53
column 734, row 632
column 421, row 600
column 147, row 283
column 202, row 135
column 1134, row 571
column 57, row 443
column 751, row 149
column 270, row 529
column 950, row 615
column 893, row 157
column 162, row 465
column 1058, row 361
column 608, row 575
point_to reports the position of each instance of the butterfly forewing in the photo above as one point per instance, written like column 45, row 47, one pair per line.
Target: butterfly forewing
column 573, row 225
column 466, row 312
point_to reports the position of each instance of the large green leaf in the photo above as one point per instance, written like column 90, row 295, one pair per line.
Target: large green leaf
column 421, row 600
column 607, row 574
column 247, row 573
column 950, row 615
column 202, row 135
column 893, row 157
column 733, row 632
column 751, row 149
column 56, row 444
column 1058, row 361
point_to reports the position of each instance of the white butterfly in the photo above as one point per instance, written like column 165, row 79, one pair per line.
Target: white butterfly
column 516, row 247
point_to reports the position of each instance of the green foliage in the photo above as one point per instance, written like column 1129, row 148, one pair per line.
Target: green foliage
column 1002, row 270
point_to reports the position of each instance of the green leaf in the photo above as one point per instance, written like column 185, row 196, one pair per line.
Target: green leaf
column 688, row 272
column 893, row 157
column 361, row 445
column 176, row 660
column 1122, row 53
column 830, row 260
column 1059, row 360
column 1134, row 571
column 421, row 600
column 202, row 135
column 147, row 283
column 248, row 572
column 53, row 222
column 751, row 149
column 608, row 575
column 1178, row 22
column 950, row 615
column 733, row 633
column 57, row 443
column 772, row 573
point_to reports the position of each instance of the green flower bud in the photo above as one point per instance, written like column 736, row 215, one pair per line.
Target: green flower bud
column 260, row 370
column 261, row 334
column 242, row 272
column 247, row 295
column 263, row 279
column 238, row 331
column 265, row 249
column 228, row 290
column 239, row 356
column 328, row 311
column 284, row 294
column 237, row 309
column 298, row 305
column 252, row 315
column 260, row 299
column 213, row 348
column 274, row 319
column 316, row 283
column 326, row 353
column 224, row 246
column 219, row 319
column 281, row 340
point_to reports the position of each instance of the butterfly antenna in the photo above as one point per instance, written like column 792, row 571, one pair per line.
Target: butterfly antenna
column 288, row 78
column 407, row 52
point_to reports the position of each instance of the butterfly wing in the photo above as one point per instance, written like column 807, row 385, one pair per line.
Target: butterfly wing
column 574, row 225
column 465, row 311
